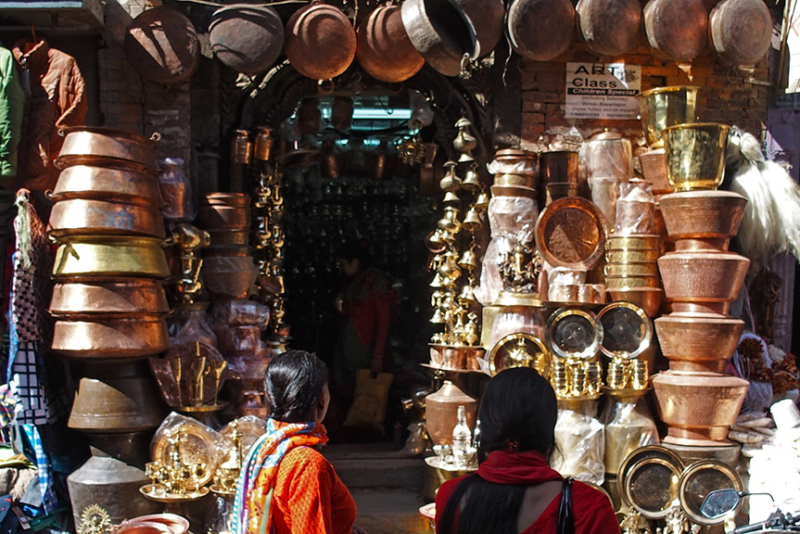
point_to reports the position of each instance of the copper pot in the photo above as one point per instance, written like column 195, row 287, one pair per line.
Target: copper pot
column 654, row 170
column 610, row 27
column 649, row 299
column 176, row 523
column 698, row 408
column 110, row 257
column 227, row 238
column 708, row 280
column 441, row 412
column 441, row 32
column 698, row 343
column 230, row 277
column 676, row 29
column 142, row 527
column 559, row 166
column 702, row 220
column 78, row 216
column 86, row 145
column 384, row 49
column 132, row 185
column 488, row 19
column 236, row 200
column 554, row 21
column 320, row 41
column 221, row 217
column 133, row 296
column 738, row 42
column 129, row 337
column 247, row 39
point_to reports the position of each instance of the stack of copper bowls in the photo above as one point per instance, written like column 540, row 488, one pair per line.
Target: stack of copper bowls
column 559, row 169
column 701, row 279
column 109, row 307
column 632, row 272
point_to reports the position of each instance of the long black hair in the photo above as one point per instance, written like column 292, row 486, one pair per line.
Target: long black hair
column 518, row 411
column 293, row 385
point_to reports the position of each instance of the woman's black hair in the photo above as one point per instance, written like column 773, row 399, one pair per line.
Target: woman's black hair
column 356, row 249
column 518, row 411
column 293, row 385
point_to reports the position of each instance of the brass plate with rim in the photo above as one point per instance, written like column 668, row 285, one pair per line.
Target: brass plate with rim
column 574, row 333
column 651, row 486
column 571, row 232
column 701, row 478
column 520, row 350
column 250, row 429
column 149, row 491
column 196, row 446
column 648, row 451
column 627, row 330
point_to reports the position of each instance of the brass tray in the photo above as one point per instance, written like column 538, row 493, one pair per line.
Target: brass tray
column 651, row 486
column 574, row 333
column 149, row 491
column 648, row 451
column 627, row 330
column 700, row 479
column 520, row 350
column 250, row 429
column 571, row 232
column 196, row 445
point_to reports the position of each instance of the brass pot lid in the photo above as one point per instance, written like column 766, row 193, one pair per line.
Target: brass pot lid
column 627, row 330
column 197, row 445
column 574, row 333
column 701, row 478
column 649, row 451
column 520, row 350
column 571, row 232
column 651, row 486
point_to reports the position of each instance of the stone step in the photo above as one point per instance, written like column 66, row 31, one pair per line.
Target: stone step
column 368, row 466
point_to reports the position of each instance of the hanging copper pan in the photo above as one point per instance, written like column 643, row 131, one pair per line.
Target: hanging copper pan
column 384, row 50
column 132, row 185
column 79, row 216
column 741, row 31
column 441, row 32
column 246, row 38
column 122, row 296
column 488, row 18
column 86, row 145
column 676, row 29
column 129, row 337
column 554, row 22
column 610, row 27
column 320, row 41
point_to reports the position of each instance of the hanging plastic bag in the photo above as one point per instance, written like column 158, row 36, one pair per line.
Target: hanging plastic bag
column 580, row 445
column 176, row 191
column 370, row 400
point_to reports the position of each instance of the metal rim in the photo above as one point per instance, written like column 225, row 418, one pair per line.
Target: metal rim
column 640, row 453
column 561, row 314
column 511, row 338
column 648, row 328
column 691, row 471
column 572, row 203
column 674, row 485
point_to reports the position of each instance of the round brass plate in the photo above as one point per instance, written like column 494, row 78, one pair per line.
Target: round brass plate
column 520, row 350
column 574, row 333
column 651, row 486
column 627, row 330
column 700, row 479
column 196, row 446
column 571, row 232
column 649, row 451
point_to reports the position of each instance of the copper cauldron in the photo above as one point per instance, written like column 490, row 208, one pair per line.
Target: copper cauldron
column 698, row 343
column 610, row 27
column 320, row 41
column 384, row 50
column 702, row 220
column 131, row 184
column 248, row 39
column 702, row 282
column 85, row 145
column 129, row 337
column 441, row 32
column 87, row 297
column 441, row 412
column 78, row 216
column 488, row 19
column 110, row 257
column 738, row 42
column 676, row 29
column 554, row 21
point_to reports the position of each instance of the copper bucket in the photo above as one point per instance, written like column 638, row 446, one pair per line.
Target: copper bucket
column 126, row 297
column 85, row 145
column 78, row 216
column 130, row 337
column 559, row 167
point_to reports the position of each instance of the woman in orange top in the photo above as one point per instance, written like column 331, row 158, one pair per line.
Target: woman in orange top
column 286, row 486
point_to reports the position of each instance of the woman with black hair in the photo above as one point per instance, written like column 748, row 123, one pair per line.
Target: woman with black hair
column 285, row 485
column 514, row 490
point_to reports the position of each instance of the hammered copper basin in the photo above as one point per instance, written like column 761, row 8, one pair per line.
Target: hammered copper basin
column 320, row 41
column 79, row 216
column 110, row 257
column 384, row 50
column 698, row 408
column 702, row 276
column 131, row 337
column 131, row 185
column 133, row 296
column 708, row 218
column 698, row 343
column 86, row 145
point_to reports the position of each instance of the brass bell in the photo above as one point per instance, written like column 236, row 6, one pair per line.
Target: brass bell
column 449, row 270
column 464, row 141
column 435, row 262
column 472, row 182
column 482, row 201
column 450, row 221
column 437, row 282
column 467, row 295
column 469, row 260
column 472, row 221
column 451, row 199
column 451, row 182
column 438, row 317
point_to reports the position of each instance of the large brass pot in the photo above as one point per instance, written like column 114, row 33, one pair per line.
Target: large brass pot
column 87, row 297
column 441, row 32
column 132, row 185
column 663, row 107
column 676, row 29
column 320, row 41
column 702, row 220
column 649, row 299
column 695, row 155
column 740, row 31
column 110, row 257
column 610, row 27
column 384, row 50
column 78, row 216
column 706, row 281
column 441, row 412
column 105, row 338
column 87, row 145
column 698, row 408
column 698, row 343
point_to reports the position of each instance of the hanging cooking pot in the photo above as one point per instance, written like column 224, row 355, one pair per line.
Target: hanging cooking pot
column 384, row 50
column 79, row 216
column 86, row 145
column 610, row 27
column 320, row 41
column 87, row 297
column 741, row 31
column 487, row 17
column 554, row 21
column 246, row 38
column 162, row 45
column 136, row 185
column 110, row 256
column 124, row 337
column 676, row 29
column 441, row 32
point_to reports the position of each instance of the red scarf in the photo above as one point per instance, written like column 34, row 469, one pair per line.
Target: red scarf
column 521, row 468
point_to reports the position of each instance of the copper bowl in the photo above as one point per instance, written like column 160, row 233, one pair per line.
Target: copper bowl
column 86, row 297
column 143, row 527
column 698, row 408
column 230, row 277
column 702, row 220
column 87, row 144
column 649, row 299
column 131, row 337
column 131, row 184
column 176, row 523
column 698, row 343
column 239, row 200
column 98, row 217
column 711, row 280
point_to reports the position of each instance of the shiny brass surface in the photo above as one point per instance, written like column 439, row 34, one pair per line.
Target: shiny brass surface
column 383, row 47
column 241, row 148
column 263, row 144
column 663, row 107
column 649, row 299
column 627, row 331
column 441, row 412
column 648, row 451
column 632, row 282
column 110, row 256
column 695, row 155
column 320, row 41
column 188, row 445
column 702, row 277
column 520, row 350
column 651, row 486
column 78, row 216
column 631, row 269
column 654, row 170
column 127, row 297
column 107, row 145
column 633, row 242
column 707, row 220
column 133, row 185
column 132, row 337
column 698, row 343
column 630, row 256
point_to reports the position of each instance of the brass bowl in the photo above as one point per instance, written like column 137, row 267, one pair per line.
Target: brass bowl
column 695, row 155
column 110, row 257
column 133, row 296
column 130, row 337
column 698, row 408
column 633, row 242
column 80, row 216
column 649, row 299
column 631, row 256
column 631, row 269
column 698, row 343
column 702, row 220
column 632, row 282
column 702, row 277
column 654, row 169
column 663, row 107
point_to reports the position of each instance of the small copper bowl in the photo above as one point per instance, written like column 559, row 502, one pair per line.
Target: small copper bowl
column 649, row 299
column 175, row 523
column 702, row 220
column 698, row 343
column 702, row 277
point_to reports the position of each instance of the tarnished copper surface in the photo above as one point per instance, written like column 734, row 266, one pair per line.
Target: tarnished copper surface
column 698, row 408
column 131, row 185
column 631, row 269
column 220, row 217
column 740, row 31
column 632, row 282
column 110, row 257
column 218, row 198
column 649, row 299
column 162, row 45
column 132, row 337
column 384, row 50
column 176, row 523
column 488, row 19
column 559, row 167
column 609, row 27
column 698, row 343
column 78, row 216
column 225, row 238
column 230, row 277
column 695, row 155
column 702, row 277
column 676, row 29
column 654, row 170
column 702, row 220
column 131, row 296
column 663, row 107
column 320, row 41
column 554, row 21
column 441, row 32
column 246, row 38
column 441, row 412
column 570, row 232
column 106, row 146
column 633, row 243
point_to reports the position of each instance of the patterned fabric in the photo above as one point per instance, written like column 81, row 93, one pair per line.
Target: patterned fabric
column 252, row 506
column 50, row 500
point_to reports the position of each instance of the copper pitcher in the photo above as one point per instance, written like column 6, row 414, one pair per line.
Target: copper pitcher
column 441, row 412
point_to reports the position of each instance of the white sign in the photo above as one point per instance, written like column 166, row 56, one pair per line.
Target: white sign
column 603, row 91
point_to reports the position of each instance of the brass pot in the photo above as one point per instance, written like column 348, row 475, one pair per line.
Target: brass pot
column 110, row 257
column 320, row 41
column 441, row 412
column 131, row 185
column 654, row 170
column 384, row 50
column 133, row 296
column 105, row 146
column 698, row 343
column 631, row 269
column 709, row 279
column 702, row 220
column 698, row 408
column 632, row 282
column 559, row 166
column 633, row 242
column 129, row 337
column 649, row 299
column 78, row 216
column 631, row 256
column 663, row 107
column 695, row 155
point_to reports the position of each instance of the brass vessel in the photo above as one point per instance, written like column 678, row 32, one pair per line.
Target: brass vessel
column 632, row 282
column 127, row 297
column 711, row 280
column 702, row 220
column 663, row 107
column 85, row 145
column 110, row 256
column 441, row 412
column 632, row 256
column 633, row 242
column 698, row 343
column 695, row 155
column 631, row 269
column 130, row 337
column 130, row 184
column 80, row 216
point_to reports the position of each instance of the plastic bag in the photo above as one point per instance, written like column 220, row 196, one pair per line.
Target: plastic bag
column 605, row 194
column 198, row 442
column 198, row 385
column 580, row 445
column 369, row 402
column 513, row 217
column 636, row 210
column 238, row 341
column 189, row 326
column 230, row 277
column 241, row 312
column 508, row 323
column 628, row 427
column 608, row 158
column 176, row 191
